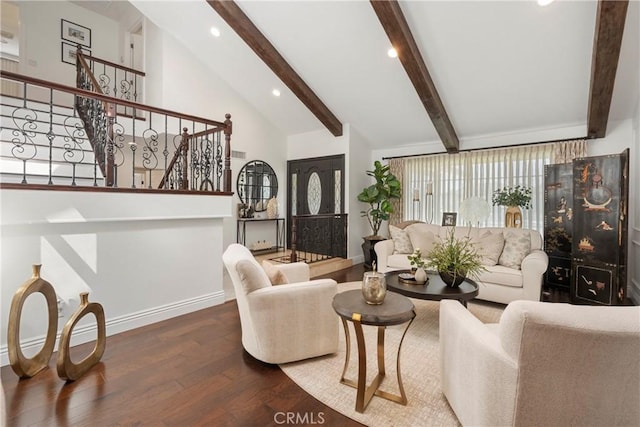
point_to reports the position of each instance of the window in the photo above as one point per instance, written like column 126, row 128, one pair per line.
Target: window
column 456, row 177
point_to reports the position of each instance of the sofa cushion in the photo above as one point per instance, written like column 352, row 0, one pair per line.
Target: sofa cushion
column 501, row 275
column 251, row 276
column 516, row 247
column 422, row 237
column 276, row 276
column 401, row 242
column 489, row 246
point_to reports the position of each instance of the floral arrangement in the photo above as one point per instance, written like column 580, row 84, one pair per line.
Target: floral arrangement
column 416, row 259
column 513, row 196
column 459, row 257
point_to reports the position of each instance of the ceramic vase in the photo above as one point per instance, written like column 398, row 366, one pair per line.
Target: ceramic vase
column 374, row 287
column 420, row 275
column 513, row 217
column 451, row 279
column 272, row 208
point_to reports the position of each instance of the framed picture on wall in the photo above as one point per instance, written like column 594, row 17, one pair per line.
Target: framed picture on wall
column 69, row 53
column 449, row 218
column 75, row 33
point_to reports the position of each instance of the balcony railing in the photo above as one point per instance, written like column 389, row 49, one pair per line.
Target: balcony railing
column 59, row 135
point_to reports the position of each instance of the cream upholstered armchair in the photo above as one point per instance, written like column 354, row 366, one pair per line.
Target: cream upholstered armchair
column 283, row 323
column 543, row 364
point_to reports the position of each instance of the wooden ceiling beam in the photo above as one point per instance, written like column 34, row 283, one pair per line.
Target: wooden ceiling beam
column 604, row 63
column 242, row 25
column 395, row 25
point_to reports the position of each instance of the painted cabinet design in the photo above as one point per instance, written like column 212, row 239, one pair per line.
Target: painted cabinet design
column 585, row 228
column 558, row 222
column 600, row 194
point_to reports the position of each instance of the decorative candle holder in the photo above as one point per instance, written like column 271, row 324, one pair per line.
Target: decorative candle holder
column 374, row 287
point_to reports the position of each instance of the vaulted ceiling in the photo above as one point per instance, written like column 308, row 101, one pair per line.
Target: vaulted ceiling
column 496, row 67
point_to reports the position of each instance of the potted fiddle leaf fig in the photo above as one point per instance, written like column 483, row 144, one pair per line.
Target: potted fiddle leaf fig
column 378, row 196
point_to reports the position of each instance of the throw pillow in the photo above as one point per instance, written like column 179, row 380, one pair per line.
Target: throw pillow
column 489, row 246
column 401, row 241
column 276, row 276
column 516, row 247
column 422, row 239
column 251, row 276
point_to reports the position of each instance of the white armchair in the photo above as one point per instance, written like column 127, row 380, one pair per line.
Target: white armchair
column 282, row 323
column 544, row 364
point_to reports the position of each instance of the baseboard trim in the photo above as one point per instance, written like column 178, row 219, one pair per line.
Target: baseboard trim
column 124, row 323
column 358, row 259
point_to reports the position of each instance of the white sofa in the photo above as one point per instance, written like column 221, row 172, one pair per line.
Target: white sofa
column 292, row 321
column 510, row 277
column 543, row 364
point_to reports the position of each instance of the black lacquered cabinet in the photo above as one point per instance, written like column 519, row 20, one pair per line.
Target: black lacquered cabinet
column 558, row 223
column 599, row 244
column 585, row 228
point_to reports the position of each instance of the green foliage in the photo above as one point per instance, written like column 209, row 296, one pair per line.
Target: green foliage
column 513, row 196
column 416, row 259
column 457, row 256
column 379, row 196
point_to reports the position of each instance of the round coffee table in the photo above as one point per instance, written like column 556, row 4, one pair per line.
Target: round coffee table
column 434, row 290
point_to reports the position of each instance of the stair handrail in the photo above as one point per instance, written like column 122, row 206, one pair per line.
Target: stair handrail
column 216, row 126
column 104, row 155
column 106, row 98
column 123, row 87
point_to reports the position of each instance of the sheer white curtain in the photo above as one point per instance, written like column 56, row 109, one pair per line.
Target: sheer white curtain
column 456, row 177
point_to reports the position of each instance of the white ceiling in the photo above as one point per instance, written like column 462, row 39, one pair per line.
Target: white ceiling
column 499, row 67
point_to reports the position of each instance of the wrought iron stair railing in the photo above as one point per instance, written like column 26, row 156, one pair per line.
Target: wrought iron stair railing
column 56, row 134
column 319, row 237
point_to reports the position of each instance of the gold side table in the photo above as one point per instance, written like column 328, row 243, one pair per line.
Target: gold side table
column 395, row 310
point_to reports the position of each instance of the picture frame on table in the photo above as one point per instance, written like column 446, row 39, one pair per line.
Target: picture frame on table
column 75, row 33
column 69, row 53
column 449, row 218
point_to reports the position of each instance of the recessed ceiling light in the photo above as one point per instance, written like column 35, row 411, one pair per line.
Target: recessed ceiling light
column 215, row 32
column 393, row 53
column 275, row 92
column 544, row 2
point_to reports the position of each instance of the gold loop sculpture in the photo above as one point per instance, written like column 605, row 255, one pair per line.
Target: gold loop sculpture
column 67, row 370
column 23, row 367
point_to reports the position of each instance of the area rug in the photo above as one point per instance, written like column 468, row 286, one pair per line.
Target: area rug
column 419, row 367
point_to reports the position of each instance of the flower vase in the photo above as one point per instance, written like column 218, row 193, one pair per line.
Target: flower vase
column 513, row 217
column 420, row 275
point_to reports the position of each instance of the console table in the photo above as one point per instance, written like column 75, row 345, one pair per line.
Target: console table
column 241, row 233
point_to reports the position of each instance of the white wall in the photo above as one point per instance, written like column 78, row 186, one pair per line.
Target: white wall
column 144, row 257
column 40, row 47
column 190, row 87
column 359, row 162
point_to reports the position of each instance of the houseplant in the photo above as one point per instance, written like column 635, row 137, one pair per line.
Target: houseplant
column 378, row 196
column 514, row 198
column 416, row 259
column 454, row 259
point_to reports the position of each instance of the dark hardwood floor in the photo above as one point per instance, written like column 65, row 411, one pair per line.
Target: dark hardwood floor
column 187, row 371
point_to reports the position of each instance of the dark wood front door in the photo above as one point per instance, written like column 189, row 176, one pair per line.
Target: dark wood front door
column 315, row 187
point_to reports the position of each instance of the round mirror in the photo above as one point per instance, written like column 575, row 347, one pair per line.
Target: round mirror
column 257, row 183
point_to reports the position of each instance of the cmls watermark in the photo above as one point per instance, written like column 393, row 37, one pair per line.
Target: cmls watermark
column 299, row 418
